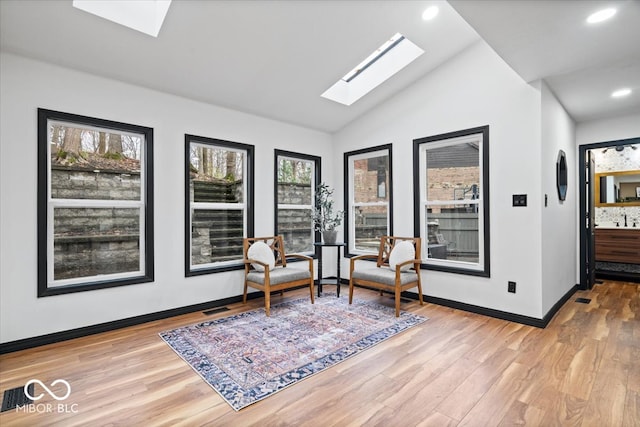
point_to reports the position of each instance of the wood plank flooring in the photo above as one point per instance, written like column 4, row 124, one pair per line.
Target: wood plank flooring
column 457, row 369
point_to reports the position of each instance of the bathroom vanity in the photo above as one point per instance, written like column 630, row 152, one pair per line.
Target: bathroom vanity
column 619, row 244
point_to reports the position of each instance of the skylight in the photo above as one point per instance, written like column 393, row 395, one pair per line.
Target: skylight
column 145, row 16
column 394, row 54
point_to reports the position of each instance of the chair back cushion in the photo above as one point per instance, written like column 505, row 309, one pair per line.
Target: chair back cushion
column 401, row 252
column 260, row 251
column 388, row 243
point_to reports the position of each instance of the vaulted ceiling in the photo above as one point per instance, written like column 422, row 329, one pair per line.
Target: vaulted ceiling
column 275, row 58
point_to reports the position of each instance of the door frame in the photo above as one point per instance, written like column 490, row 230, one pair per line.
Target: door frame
column 582, row 182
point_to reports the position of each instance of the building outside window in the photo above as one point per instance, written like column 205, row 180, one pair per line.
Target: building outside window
column 368, row 198
column 452, row 204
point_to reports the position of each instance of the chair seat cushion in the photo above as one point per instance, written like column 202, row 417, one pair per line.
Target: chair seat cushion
column 384, row 275
column 279, row 275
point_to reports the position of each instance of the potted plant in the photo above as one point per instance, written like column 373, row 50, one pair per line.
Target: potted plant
column 324, row 218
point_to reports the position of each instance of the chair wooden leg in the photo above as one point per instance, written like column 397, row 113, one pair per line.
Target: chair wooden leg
column 267, row 302
column 350, row 291
column 420, row 293
column 244, row 296
column 397, row 302
column 311, row 290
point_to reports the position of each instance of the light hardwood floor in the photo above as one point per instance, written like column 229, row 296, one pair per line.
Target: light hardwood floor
column 457, row 369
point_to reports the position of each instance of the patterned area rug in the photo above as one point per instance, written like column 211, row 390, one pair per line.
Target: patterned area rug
column 248, row 357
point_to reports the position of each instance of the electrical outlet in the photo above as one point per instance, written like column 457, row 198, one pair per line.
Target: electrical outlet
column 511, row 287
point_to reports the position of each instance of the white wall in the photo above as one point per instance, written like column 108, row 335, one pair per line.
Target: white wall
column 473, row 89
column 26, row 85
column 612, row 129
column 559, row 218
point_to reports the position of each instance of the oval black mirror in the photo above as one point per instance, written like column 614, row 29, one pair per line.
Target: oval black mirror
column 561, row 175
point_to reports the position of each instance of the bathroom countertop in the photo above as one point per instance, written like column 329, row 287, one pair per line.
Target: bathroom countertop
column 614, row 227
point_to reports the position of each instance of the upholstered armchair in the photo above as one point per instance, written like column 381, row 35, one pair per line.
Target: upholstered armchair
column 266, row 269
column 396, row 268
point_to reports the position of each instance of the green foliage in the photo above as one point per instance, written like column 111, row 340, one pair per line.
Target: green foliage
column 113, row 156
column 323, row 216
column 71, row 158
column 293, row 172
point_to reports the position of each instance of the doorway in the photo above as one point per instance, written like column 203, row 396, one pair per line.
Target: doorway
column 620, row 213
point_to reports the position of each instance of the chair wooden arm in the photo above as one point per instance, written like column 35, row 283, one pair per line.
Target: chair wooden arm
column 352, row 262
column 303, row 257
column 299, row 256
column 364, row 256
column 249, row 261
column 415, row 262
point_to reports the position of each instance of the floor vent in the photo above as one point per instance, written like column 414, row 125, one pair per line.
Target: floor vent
column 16, row 397
column 583, row 300
column 215, row 310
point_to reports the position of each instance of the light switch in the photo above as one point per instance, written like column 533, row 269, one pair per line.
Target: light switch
column 519, row 200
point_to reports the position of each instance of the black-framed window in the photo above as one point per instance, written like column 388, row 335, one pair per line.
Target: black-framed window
column 95, row 203
column 218, row 203
column 368, row 198
column 296, row 177
column 451, row 201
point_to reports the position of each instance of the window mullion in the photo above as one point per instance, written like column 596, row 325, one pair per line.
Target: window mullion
column 289, row 206
column 92, row 203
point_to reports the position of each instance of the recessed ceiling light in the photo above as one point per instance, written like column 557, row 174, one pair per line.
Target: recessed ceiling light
column 430, row 13
column 621, row 93
column 601, row 15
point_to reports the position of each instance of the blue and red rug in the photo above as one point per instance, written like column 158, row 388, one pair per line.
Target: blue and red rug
column 248, row 357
